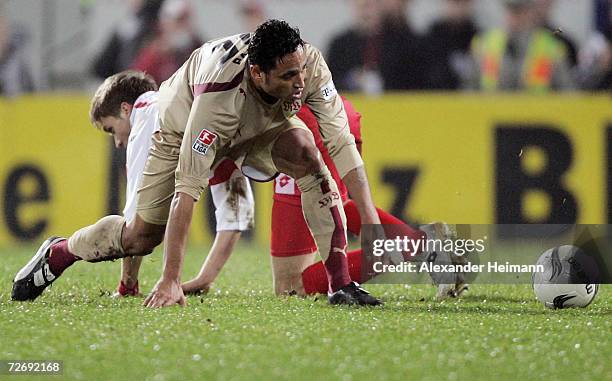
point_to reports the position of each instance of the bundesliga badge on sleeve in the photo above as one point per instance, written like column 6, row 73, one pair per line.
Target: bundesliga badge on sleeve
column 204, row 141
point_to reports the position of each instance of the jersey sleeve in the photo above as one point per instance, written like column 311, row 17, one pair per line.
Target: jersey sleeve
column 326, row 105
column 215, row 75
column 211, row 124
column 354, row 121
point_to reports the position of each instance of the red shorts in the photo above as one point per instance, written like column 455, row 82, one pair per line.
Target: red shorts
column 290, row 234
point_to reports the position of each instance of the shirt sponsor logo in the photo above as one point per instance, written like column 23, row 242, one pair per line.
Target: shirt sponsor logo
column 290, row 108
column 204, row 141
column 329, row 90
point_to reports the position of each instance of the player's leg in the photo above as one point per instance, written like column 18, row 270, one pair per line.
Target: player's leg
column 292, row 249
column 313, row 277
column 295, row 153
column 287, row 273
column 111, row 237
column 128, row 283
column 138, row 238
column 446, row 287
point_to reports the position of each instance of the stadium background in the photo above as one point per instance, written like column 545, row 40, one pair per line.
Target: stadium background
column 66, row 34
column 442, row 157
column 465, row 157
column 459, row 157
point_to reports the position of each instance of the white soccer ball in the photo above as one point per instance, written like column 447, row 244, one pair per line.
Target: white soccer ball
column 557, row 286
column 565, row 295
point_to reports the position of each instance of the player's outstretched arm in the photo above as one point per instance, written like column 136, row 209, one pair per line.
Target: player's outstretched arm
column 356, row 182
column 168, row 289
column 219, row 253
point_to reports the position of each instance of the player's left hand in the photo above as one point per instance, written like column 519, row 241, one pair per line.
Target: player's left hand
column 165, row 293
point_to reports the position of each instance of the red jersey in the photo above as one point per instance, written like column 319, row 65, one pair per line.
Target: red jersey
column 285, row 188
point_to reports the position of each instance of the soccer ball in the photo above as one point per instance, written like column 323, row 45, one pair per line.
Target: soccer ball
column 567, row 279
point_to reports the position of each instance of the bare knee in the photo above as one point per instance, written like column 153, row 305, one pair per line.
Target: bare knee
column 297, row 155
column 307, row 162
column 141, row 238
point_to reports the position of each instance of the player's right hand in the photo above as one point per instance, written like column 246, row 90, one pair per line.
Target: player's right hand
column 165, row 293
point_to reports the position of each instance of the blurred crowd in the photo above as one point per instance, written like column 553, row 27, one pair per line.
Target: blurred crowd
column 380, row 51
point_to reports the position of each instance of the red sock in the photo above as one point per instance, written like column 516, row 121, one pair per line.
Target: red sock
column 353, row 220
column 124, row 290
column 60, row 258
column 314, row 277
column 336, row 267
column 336, row 264
column 394, row 227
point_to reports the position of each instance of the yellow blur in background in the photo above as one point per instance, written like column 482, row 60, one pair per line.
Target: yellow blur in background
column 428, row 157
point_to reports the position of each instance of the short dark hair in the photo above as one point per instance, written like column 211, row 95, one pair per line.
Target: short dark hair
column 125, row 86
column 273, row 40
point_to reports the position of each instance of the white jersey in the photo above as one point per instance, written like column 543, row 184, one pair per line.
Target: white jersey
column 233, row 201
column 145, row 122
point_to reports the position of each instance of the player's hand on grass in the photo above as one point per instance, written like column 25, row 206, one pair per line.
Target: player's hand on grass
column 165, row 293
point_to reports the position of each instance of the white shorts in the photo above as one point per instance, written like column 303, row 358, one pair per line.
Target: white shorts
column 230, row 189
column 234, row 203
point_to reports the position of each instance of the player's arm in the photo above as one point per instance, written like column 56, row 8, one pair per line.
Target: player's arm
column 327, row 107
column 179, row 221
column 234, row 209
column 167, row 291
column 196, row 157
column 356, row 182
column 221, row 250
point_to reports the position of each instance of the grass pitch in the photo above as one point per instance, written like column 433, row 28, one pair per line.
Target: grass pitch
column 241, row 331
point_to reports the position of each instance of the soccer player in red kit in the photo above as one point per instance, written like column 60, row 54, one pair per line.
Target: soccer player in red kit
column 292, row 246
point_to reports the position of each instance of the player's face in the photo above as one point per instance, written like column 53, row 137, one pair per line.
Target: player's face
column 286, row 80
column 118, row 127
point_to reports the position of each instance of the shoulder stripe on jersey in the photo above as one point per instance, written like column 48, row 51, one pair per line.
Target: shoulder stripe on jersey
column 141, row 104
column 211, row 87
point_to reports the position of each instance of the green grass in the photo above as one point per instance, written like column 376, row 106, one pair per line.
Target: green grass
column 241, row 331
